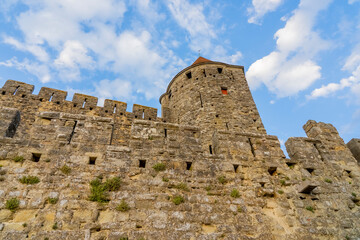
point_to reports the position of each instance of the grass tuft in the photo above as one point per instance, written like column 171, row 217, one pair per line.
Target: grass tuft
column 12, row 204
column 178, row 200
column 222, row 179
column 327, row 180
column 18, row 159
column 65, row 169
column 99, row 191
column 52, row 200
column 29, row 180
column 310, row 208
column 123, row 206
column 159, row 167
column 235, row 193
column 182, row 186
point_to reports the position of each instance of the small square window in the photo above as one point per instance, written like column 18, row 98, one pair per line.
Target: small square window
column 92, row 160
column 188, row 165
column 36, row 157
column 272, row 170
column 188, row 75
column 224, row 90
column 142, row 163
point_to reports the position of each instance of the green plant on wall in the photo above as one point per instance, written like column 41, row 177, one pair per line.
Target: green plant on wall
column 18, row 159
column 310, row 208
column 123, row 206
column 235, row 193
column 182, row 186
column 159, row 167
column 12, row 204
column 222, row 179
column 178, row 200
column 52, row 200
column 29, row 180
column 65, row 169
column 99, row 190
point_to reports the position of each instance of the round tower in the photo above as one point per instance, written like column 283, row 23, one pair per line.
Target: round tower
column 211, row 95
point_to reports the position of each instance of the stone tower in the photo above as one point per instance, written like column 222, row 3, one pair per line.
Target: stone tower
column 212, row 95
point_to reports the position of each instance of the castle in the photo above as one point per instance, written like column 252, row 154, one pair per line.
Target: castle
column 205, row 170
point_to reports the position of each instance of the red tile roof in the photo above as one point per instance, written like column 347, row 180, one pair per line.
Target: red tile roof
column 201, row 60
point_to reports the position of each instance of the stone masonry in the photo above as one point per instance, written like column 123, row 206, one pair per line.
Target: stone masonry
column 205, row 170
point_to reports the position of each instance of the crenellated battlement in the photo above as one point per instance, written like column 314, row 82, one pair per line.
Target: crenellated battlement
column 206, row 170
column 80, row 102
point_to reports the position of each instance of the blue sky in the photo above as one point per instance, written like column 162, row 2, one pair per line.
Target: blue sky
column 302, row 57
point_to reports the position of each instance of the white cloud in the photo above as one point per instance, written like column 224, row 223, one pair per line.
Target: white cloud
column 192, row 19
column 114, row 89
column 74, row 54
column 260, row 8
column 148, row 9
column 291, row 68
column 232, row 59
column 67, row 38
column 39, row 70
column 353, row 82
column 36, row 50
column 353, row 1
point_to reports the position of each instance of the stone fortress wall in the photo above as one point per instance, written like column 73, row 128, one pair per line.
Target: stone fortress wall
column 233, row 179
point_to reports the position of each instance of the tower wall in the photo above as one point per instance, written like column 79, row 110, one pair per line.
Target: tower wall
column 214, row 96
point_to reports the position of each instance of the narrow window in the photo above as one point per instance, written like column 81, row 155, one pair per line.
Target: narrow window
column 51, row 97
column 72, row 132
column 227, row 126
column 252, row 147
column 291, row 165
column 224, row 90
column 165, row 132
column 10, row 132
column 16, row 89
column 83, row 105
column 112, row 133
column 210, row 149
column 307, row 189
column 114, row 109
column 204, row 73
column 188, row 75
column 236, row 166
column 201, row 102
column 142, row 163
column 188, row 165
column 92, row 160
column 272, row 170
column 36, row 157
column 219, row 70
column 142, row 116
